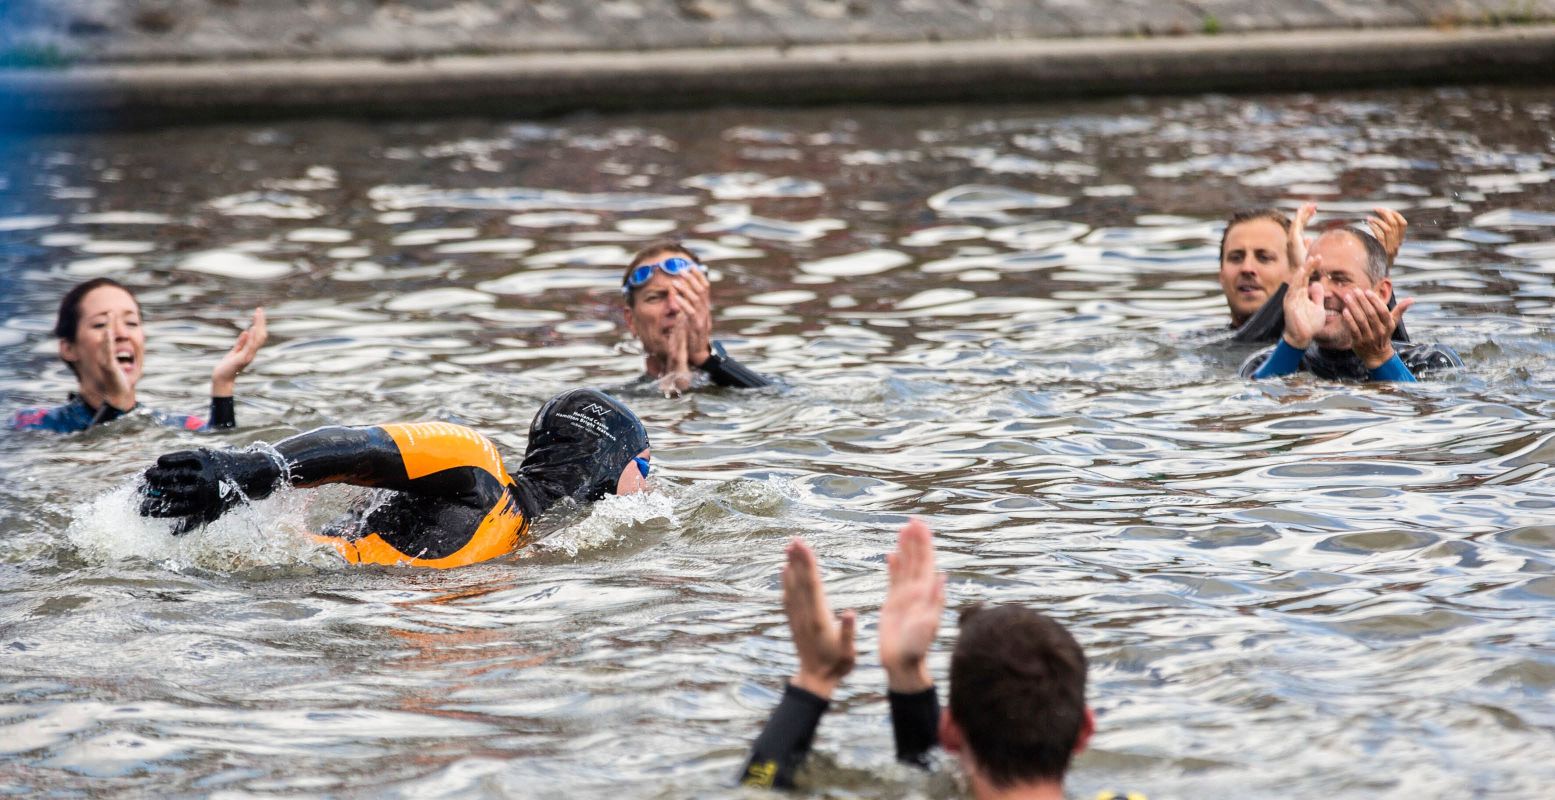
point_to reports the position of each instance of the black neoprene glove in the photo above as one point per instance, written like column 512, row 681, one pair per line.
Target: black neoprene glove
column 189, row 484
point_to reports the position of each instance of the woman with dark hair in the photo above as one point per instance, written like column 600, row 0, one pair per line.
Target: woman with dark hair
column 102, row 341
column 444, row 499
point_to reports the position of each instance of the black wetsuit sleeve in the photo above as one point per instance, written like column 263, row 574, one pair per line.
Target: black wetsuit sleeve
column 785, row 741
column 223, row 413
column 362, row 456
column 369, row 456
column 725, row 371
column 915, row 724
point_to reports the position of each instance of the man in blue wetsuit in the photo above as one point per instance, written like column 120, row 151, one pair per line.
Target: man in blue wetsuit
column 668, row 308
column 1337, row 323
column 1017, row 681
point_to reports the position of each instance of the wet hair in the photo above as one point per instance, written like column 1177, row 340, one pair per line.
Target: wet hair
column 69, row 318
column 642, row 257
column 1251, row 214
column 579, row 442
column 1376, row 254
column 1017, row 691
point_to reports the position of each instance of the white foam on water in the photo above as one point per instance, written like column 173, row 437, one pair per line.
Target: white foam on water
column 109, row 528
column 608, row 520
column 229, row 264
column 974, row 200
column 444, row 298
column 27, row 223
column 121, row 218
column 431, row 236
column 488, row 246
column 275, row 205
column 105, row 247
column 868, row 262
column 93, row 267
column 319, row 235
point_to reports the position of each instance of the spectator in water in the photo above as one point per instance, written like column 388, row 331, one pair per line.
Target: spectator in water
column 668, row 308
column 103, row 342
column 1337, row 321
column 1258, row 253
column 1017, row 681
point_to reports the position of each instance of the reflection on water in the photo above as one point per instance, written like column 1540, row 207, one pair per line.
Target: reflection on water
column 1004, row 319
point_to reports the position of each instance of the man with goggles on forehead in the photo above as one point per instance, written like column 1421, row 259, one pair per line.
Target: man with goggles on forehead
column 666, row 293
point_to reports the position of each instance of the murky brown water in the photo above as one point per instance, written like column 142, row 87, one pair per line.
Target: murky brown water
column 1004, row 319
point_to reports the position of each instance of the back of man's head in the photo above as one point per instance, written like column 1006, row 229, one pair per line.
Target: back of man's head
column 1017, row 692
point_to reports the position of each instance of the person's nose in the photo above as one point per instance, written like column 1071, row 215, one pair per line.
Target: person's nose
column 671, row 306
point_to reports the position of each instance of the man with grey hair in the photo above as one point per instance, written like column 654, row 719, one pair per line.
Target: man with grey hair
column 1337, row 321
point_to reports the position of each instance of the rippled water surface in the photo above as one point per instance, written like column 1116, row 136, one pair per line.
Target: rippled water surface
column 1004, row 319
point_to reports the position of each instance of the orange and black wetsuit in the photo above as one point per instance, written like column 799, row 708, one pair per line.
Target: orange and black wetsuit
column 450, row 501
column 453, row 502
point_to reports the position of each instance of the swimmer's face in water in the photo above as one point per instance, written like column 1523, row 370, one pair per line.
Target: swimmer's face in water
column 1253, row 264
column 632, row 479
column 109, row 339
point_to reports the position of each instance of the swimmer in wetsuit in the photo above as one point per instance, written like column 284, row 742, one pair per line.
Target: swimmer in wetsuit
column 450, row 503
column 103, row 343
column 669, row 310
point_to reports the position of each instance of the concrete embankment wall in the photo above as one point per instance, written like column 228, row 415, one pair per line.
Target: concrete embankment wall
column 72, row 63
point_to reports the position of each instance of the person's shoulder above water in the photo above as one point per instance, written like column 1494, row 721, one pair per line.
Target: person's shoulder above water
column 75, row 416
column 72, row 417
column 1427, row 356
column 1419, row 358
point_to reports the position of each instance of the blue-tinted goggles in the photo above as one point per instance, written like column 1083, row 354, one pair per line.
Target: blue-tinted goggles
column 642, row 465
column 669, row 266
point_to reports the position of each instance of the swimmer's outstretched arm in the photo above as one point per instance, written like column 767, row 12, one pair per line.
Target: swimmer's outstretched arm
column 189, row 484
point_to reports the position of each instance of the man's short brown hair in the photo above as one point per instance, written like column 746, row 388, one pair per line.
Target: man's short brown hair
column 642, row 257
column 1017, row 692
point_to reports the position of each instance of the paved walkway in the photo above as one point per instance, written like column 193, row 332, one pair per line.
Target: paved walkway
column 111, row 63
column 77, row 31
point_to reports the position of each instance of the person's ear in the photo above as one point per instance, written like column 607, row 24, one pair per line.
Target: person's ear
column 67, row 351
column 1384, row 288
column 950, row 736
column 1087, row 730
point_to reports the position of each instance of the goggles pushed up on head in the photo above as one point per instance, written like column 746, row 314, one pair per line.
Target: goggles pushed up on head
column 669, row 266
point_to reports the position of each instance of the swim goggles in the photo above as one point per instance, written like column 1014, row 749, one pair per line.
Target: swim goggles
column 669, row 266
column 642, row 465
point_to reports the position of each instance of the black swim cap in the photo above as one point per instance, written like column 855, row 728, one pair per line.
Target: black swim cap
column 579, row 443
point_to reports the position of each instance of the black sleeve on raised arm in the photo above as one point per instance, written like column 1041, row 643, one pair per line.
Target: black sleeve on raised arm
column 223, row 413
column 725, row 371
column 915, row 724
column 785, row 741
